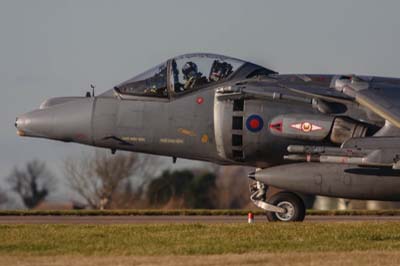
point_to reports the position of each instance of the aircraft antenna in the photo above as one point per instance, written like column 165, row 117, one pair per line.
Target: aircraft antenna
column 92, row 86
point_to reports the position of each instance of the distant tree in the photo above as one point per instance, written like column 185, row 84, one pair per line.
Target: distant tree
column 182, row 189
column 168, row 186
column 202, row 191
column 33, row 184
column 233, row 187
column 103, row 180
column 3, row 197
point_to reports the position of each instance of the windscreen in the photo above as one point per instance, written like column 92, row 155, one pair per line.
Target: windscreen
column 152, row 83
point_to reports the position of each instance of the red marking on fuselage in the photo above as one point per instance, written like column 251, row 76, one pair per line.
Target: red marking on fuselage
column 277, row 126
column 200, row 100
column 80, row 136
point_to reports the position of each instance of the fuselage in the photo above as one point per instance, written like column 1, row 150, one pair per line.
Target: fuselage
column 194, row 126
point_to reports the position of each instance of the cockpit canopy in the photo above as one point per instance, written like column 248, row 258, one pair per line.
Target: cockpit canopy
column 152, row 82
column 186, row 73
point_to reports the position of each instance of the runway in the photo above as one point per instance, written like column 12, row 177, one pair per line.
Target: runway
column 163, row 219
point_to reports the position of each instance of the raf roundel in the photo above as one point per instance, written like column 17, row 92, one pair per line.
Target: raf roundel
column 254, row 123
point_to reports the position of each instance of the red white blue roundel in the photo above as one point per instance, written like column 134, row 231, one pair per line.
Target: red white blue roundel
column 254, row 123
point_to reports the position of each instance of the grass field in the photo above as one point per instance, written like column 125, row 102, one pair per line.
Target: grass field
column 362, row 243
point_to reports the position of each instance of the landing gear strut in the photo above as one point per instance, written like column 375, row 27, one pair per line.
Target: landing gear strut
column 283, row 206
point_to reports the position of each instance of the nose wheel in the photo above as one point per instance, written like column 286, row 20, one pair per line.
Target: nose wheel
column 293, row 206
column 281, row 207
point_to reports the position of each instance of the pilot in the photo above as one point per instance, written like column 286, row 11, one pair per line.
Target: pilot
column 220, row 70
column 193, row 78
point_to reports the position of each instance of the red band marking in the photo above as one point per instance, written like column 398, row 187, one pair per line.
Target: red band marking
column 277, row 126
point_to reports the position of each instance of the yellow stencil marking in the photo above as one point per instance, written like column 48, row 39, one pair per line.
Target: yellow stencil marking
column 134, row 139
column 187, row 132
column 171, row 141
column 204, row 138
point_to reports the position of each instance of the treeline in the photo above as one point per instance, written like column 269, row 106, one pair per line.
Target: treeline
column 126, row 181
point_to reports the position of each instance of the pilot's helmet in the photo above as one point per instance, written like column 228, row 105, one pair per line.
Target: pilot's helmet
column 189, row 70
column 220, row 70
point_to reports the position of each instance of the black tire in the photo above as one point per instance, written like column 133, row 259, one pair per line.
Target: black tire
column 290, row 201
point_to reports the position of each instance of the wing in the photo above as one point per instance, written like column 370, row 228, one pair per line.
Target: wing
column 382, row 99
column 385, row 102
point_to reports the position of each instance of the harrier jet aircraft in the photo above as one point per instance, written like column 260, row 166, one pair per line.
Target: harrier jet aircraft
column 330, row 135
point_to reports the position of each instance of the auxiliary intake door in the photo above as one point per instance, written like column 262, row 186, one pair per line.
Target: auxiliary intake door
column 228, row 122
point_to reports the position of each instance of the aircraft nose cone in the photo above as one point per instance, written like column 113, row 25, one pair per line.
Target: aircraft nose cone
column 66, row 121
column 33, row 124
column 17, row 125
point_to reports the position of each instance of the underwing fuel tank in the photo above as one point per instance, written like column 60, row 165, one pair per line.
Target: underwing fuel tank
column 334, row 180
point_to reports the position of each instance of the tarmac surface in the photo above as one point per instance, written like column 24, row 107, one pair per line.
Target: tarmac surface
column 175, row 219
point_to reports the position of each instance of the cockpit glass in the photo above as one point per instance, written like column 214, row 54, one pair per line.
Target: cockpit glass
column 193, row 71
column 152, row 83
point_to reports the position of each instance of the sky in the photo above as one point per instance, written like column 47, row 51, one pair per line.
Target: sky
column 58, row 48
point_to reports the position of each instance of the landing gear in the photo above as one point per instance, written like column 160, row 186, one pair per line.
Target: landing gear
column 293, row 205
column 283, row 206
